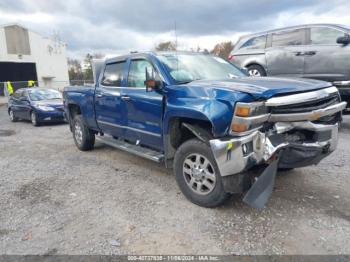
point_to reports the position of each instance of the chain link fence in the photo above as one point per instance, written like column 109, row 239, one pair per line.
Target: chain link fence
column 58, row 85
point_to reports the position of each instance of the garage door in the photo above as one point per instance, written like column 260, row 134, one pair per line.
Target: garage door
column 10, row 71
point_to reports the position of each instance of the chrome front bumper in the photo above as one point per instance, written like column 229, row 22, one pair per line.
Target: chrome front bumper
column 238, row 154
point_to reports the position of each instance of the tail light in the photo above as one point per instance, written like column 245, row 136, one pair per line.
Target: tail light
column 231, row 58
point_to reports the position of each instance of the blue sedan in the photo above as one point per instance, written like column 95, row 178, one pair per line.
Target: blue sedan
column 38, row 105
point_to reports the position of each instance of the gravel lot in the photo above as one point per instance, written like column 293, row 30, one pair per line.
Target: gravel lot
column 55, row 199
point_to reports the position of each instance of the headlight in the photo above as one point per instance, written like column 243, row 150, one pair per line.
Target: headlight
column 248, row 117
column 46, row 108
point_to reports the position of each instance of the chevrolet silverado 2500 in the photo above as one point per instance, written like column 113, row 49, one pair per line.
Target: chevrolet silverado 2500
column 221, row 131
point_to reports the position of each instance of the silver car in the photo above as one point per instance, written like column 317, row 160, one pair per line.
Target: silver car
column 319, row 51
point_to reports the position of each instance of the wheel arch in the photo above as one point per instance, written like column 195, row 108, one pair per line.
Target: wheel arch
column 182, row 129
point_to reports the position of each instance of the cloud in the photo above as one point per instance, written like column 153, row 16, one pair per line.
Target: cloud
column 116, row 26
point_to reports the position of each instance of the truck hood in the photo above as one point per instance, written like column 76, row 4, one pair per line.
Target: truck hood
column 264, row 87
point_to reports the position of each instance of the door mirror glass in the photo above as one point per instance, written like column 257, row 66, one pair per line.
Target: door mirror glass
column 343, row 40
column 152, row 82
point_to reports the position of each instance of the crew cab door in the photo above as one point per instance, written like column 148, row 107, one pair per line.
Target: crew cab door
column 325, row 59
column 109, row 106
column 285, row 53
column 143, row 109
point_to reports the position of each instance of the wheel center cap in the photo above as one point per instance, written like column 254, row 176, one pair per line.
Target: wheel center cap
column 197, row 173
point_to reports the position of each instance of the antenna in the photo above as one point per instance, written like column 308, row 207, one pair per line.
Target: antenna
column 175, row 36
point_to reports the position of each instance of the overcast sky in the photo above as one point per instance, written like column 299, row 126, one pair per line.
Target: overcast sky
column 111, row 27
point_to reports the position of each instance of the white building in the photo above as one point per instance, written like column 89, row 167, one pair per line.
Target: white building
column 26, row 55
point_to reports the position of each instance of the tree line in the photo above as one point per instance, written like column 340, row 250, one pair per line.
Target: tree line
column 81, row 71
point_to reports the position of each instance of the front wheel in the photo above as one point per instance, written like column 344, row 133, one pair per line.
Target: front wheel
column 12, row 116
column 197, row 174
column 84, row 138
column 34, row 119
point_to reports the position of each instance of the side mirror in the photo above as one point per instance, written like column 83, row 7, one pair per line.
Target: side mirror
column 152, row 82
column 343, row 40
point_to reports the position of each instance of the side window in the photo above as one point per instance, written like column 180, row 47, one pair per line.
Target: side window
column 255, row 43
column 113, row 74
column 324, row 35
column 137, row 73
column 289, row 38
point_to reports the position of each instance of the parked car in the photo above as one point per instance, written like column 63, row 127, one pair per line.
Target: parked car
column 38, row 105
column 221, row 131
column 319, row 51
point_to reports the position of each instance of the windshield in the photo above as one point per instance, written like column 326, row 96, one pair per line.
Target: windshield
column 189, row 67
column 44, row 94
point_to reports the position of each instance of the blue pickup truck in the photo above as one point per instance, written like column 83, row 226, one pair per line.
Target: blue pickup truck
column 221, row 131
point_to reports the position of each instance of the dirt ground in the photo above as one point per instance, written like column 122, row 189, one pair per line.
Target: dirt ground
column 55, row 199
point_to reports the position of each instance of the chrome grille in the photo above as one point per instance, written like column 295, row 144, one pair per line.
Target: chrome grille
column 306, row 106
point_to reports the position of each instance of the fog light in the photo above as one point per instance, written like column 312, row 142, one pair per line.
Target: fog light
column 247, row 148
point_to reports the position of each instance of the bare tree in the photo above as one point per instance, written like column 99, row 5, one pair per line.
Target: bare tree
column 223, row 49
column 166, row 46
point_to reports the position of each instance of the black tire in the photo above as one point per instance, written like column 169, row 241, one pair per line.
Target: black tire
column 12, row 116
column 195, row 147
column 83, row 137
column 256, row 70
column 283, row 169
column 34, row 119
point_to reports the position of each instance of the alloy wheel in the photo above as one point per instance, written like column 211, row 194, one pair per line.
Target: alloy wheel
column 199, row 174
column 12, row 117
column 254, row 72
column 78, row 133
column 33, row 118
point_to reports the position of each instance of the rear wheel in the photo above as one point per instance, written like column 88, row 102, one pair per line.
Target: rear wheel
column 34, row 119
column 256, row 70
column 84, row 138
column 12, row 116
column 197, row 174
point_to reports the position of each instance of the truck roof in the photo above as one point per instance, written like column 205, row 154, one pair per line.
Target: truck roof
column 154, row 53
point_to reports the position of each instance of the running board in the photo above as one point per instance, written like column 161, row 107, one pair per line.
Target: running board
column 131, row 148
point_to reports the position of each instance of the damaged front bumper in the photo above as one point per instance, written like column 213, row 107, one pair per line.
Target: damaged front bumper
column 238, row 154
column 238, row 157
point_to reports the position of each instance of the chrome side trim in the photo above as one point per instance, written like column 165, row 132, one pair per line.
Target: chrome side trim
column 133, row 149
column 301, row 98
column 311, row 116
column 130, row 128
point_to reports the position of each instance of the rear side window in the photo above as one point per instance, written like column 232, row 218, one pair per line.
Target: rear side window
column 289, row 38
column 255, row 43
column 324, row 35
column 18, row 93
column 113, row 74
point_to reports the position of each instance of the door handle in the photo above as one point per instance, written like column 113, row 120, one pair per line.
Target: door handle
column 299, row 53
column 99, row 95
column 125, row 98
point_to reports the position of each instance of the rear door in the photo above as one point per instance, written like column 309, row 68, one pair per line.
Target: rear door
column 109, row 106
column 324, row 58
column 143, row 109
column 284, row 54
